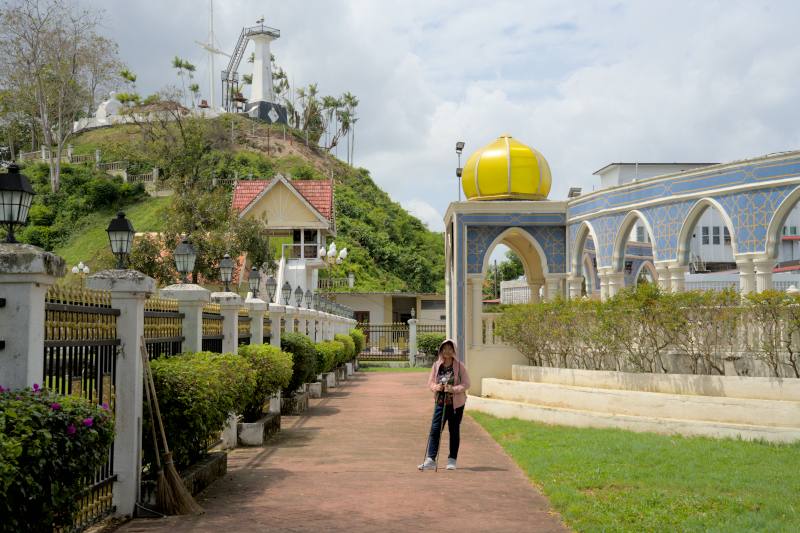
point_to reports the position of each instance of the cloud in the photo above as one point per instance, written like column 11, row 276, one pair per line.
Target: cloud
column 426, row 213
column 586, row 83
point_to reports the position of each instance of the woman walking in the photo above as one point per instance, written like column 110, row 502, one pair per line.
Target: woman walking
column 449, row 382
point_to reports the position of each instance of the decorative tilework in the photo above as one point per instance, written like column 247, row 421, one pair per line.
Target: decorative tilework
column 550, row 238
column 751, row 213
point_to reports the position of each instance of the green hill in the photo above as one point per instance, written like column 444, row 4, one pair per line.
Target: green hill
column 389, row 249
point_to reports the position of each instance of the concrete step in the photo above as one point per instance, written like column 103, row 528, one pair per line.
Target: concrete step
column 647, row 404
column 669, row 426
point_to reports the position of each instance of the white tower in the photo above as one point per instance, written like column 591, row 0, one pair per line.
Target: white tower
column 262, row 67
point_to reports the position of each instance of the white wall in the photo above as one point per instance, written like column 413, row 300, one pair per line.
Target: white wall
column 375, row 304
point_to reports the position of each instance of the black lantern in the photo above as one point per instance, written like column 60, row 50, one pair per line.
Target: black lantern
column 16, row 194
column 226, row 271
column 272, row 285
column 254, row 280
column 309, row 297
column 185, row 256
column 120, row 237
column 316, row 301
column 286, row 291
column 298, row 296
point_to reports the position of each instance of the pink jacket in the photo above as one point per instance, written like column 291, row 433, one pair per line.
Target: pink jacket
column 460, row 383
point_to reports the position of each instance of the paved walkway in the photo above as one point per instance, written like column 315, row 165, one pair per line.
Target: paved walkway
column 350, row 465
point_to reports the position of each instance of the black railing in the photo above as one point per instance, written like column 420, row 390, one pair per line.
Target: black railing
column 80, row 356
column 387, row 342
column 212, row 332
column 162, row 331
column 212, row 343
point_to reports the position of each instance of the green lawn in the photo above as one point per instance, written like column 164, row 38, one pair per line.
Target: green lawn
column 90, row 240
column 614, row 480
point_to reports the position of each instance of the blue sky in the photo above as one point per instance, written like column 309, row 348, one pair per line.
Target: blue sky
column 586, row 83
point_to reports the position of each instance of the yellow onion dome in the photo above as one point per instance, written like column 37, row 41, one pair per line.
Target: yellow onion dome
column 506, row 170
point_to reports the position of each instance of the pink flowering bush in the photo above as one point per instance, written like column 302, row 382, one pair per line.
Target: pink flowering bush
column 50, row 445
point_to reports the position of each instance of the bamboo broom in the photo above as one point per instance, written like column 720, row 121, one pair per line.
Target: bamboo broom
column 171, row 493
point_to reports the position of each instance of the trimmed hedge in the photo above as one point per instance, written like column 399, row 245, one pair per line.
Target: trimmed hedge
column 429, row 342
column 359, row 340
column 349, row 347
column 196, row 394
column 48, row 444
column 273, row 370
column 328, row 353
column 304, row 359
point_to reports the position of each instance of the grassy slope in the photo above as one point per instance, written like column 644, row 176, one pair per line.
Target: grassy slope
column 89, row 243
column 614, row 480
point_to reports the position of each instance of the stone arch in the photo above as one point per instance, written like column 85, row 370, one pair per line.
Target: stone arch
column 650, row 268
column 691, row 219
column 584, row 230
column 621, row 240
column 774, row 229
column 530, row 252
column 589, row 273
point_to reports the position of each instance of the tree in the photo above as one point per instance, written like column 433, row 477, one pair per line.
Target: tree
column 195, row 89
column 102, row 66
column 184, row 68
column 45, row 50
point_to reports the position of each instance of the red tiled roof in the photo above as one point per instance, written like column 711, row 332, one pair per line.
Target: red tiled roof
column 789, row 268
column 318, row 193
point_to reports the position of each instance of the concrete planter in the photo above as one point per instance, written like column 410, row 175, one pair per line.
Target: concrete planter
column 255, row 433
column 195, row 478
column 355, row 364
column 348, row 368
column 340, row 374
column 330, row 380
column 230, row 432
column 275, row 403
column 315, row 390
column 294, row 405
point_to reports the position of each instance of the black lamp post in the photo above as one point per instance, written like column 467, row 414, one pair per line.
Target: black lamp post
column 185, row 257
column 286, row 291
column 272, row 286
column 226, row 271
column 16, row 194
column 309, row 297
column 316, row 301
column 298, row 296
column 459, row 170
column 120, row 237
column 254, row 280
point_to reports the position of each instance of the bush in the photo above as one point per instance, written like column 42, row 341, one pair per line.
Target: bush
column 429, row 342
column 304, row 359
column 196, row 393
column 328, row 352
column 349, row 347
column 273, row 370
column 359, row 340
column 48, row 444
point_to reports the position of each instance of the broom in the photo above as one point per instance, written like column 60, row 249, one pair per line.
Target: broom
column 171, row 493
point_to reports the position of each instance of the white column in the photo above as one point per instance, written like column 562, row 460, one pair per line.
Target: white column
column 257, row 308
column 764, row 267
column 412, row 341
column 476, row 310
column 663, row 275
column 276, row 312
column 289, row 318
column 552, row 286
column 604, row 284
column 262, row 70
column 129, row 290
column 302, row 321
column 747, row 275
column 616, row 282
column 575, row 285
column 229, row 304
column 535, row 287
column 677, row 274
column 191, row 299
column 26, row 272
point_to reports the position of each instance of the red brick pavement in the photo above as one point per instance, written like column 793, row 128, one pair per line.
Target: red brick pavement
column 350, row 465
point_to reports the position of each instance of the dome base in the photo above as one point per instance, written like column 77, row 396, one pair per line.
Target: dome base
column 515, row 196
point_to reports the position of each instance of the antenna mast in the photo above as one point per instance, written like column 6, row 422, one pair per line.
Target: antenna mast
column 211, row 69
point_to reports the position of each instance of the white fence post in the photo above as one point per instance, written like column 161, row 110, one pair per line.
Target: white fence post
column 191, row 299
column 257, row 309
column 412, row 342
column 26, row 272
column 276, row 312
column 129, row 290
column 229, row 304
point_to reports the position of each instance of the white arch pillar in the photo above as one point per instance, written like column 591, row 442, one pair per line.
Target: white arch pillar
column 476, row 309
column 575, row 284
column 763, row 268
column 747, row 275
column 664, row 281
column 535, row 287
column 677, row 274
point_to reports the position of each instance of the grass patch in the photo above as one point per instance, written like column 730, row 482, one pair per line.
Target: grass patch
column 90, row 242
column 615, row 480
column 363, row 368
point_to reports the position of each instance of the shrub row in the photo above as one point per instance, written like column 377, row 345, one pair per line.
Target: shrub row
column 644, row 329
column 429, row 342
column 49, row 444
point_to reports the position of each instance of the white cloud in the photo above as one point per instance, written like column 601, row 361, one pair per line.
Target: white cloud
column 426, row 213
column 586, row 83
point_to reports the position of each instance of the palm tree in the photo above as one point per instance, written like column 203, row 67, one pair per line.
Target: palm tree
column 177, row 64
column 195, row 89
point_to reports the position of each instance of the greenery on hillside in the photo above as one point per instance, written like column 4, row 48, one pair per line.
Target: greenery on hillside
column 389, row 250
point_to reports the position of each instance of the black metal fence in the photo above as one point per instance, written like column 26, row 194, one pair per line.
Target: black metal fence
column 80, row 356
column 385, row 342
column 212, row 329
column 244, row 326
column 163, row 328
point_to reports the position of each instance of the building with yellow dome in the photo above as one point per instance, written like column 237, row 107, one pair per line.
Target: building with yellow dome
column 506, row 169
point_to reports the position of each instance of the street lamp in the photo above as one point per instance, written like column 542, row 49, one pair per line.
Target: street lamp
column 298, row 296
column 254, row 280
column 16, row 194
column 316, row 301
column 185, row 257
column 309, row 297
column 286, row 291
column 272, row 285
column 120, row 237
column 226, row 271
column 459, row 170
column 81, row 270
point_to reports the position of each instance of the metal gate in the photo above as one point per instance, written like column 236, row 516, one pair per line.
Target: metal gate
column 385, row 342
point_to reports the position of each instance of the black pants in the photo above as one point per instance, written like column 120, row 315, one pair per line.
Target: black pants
column 453, row 420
